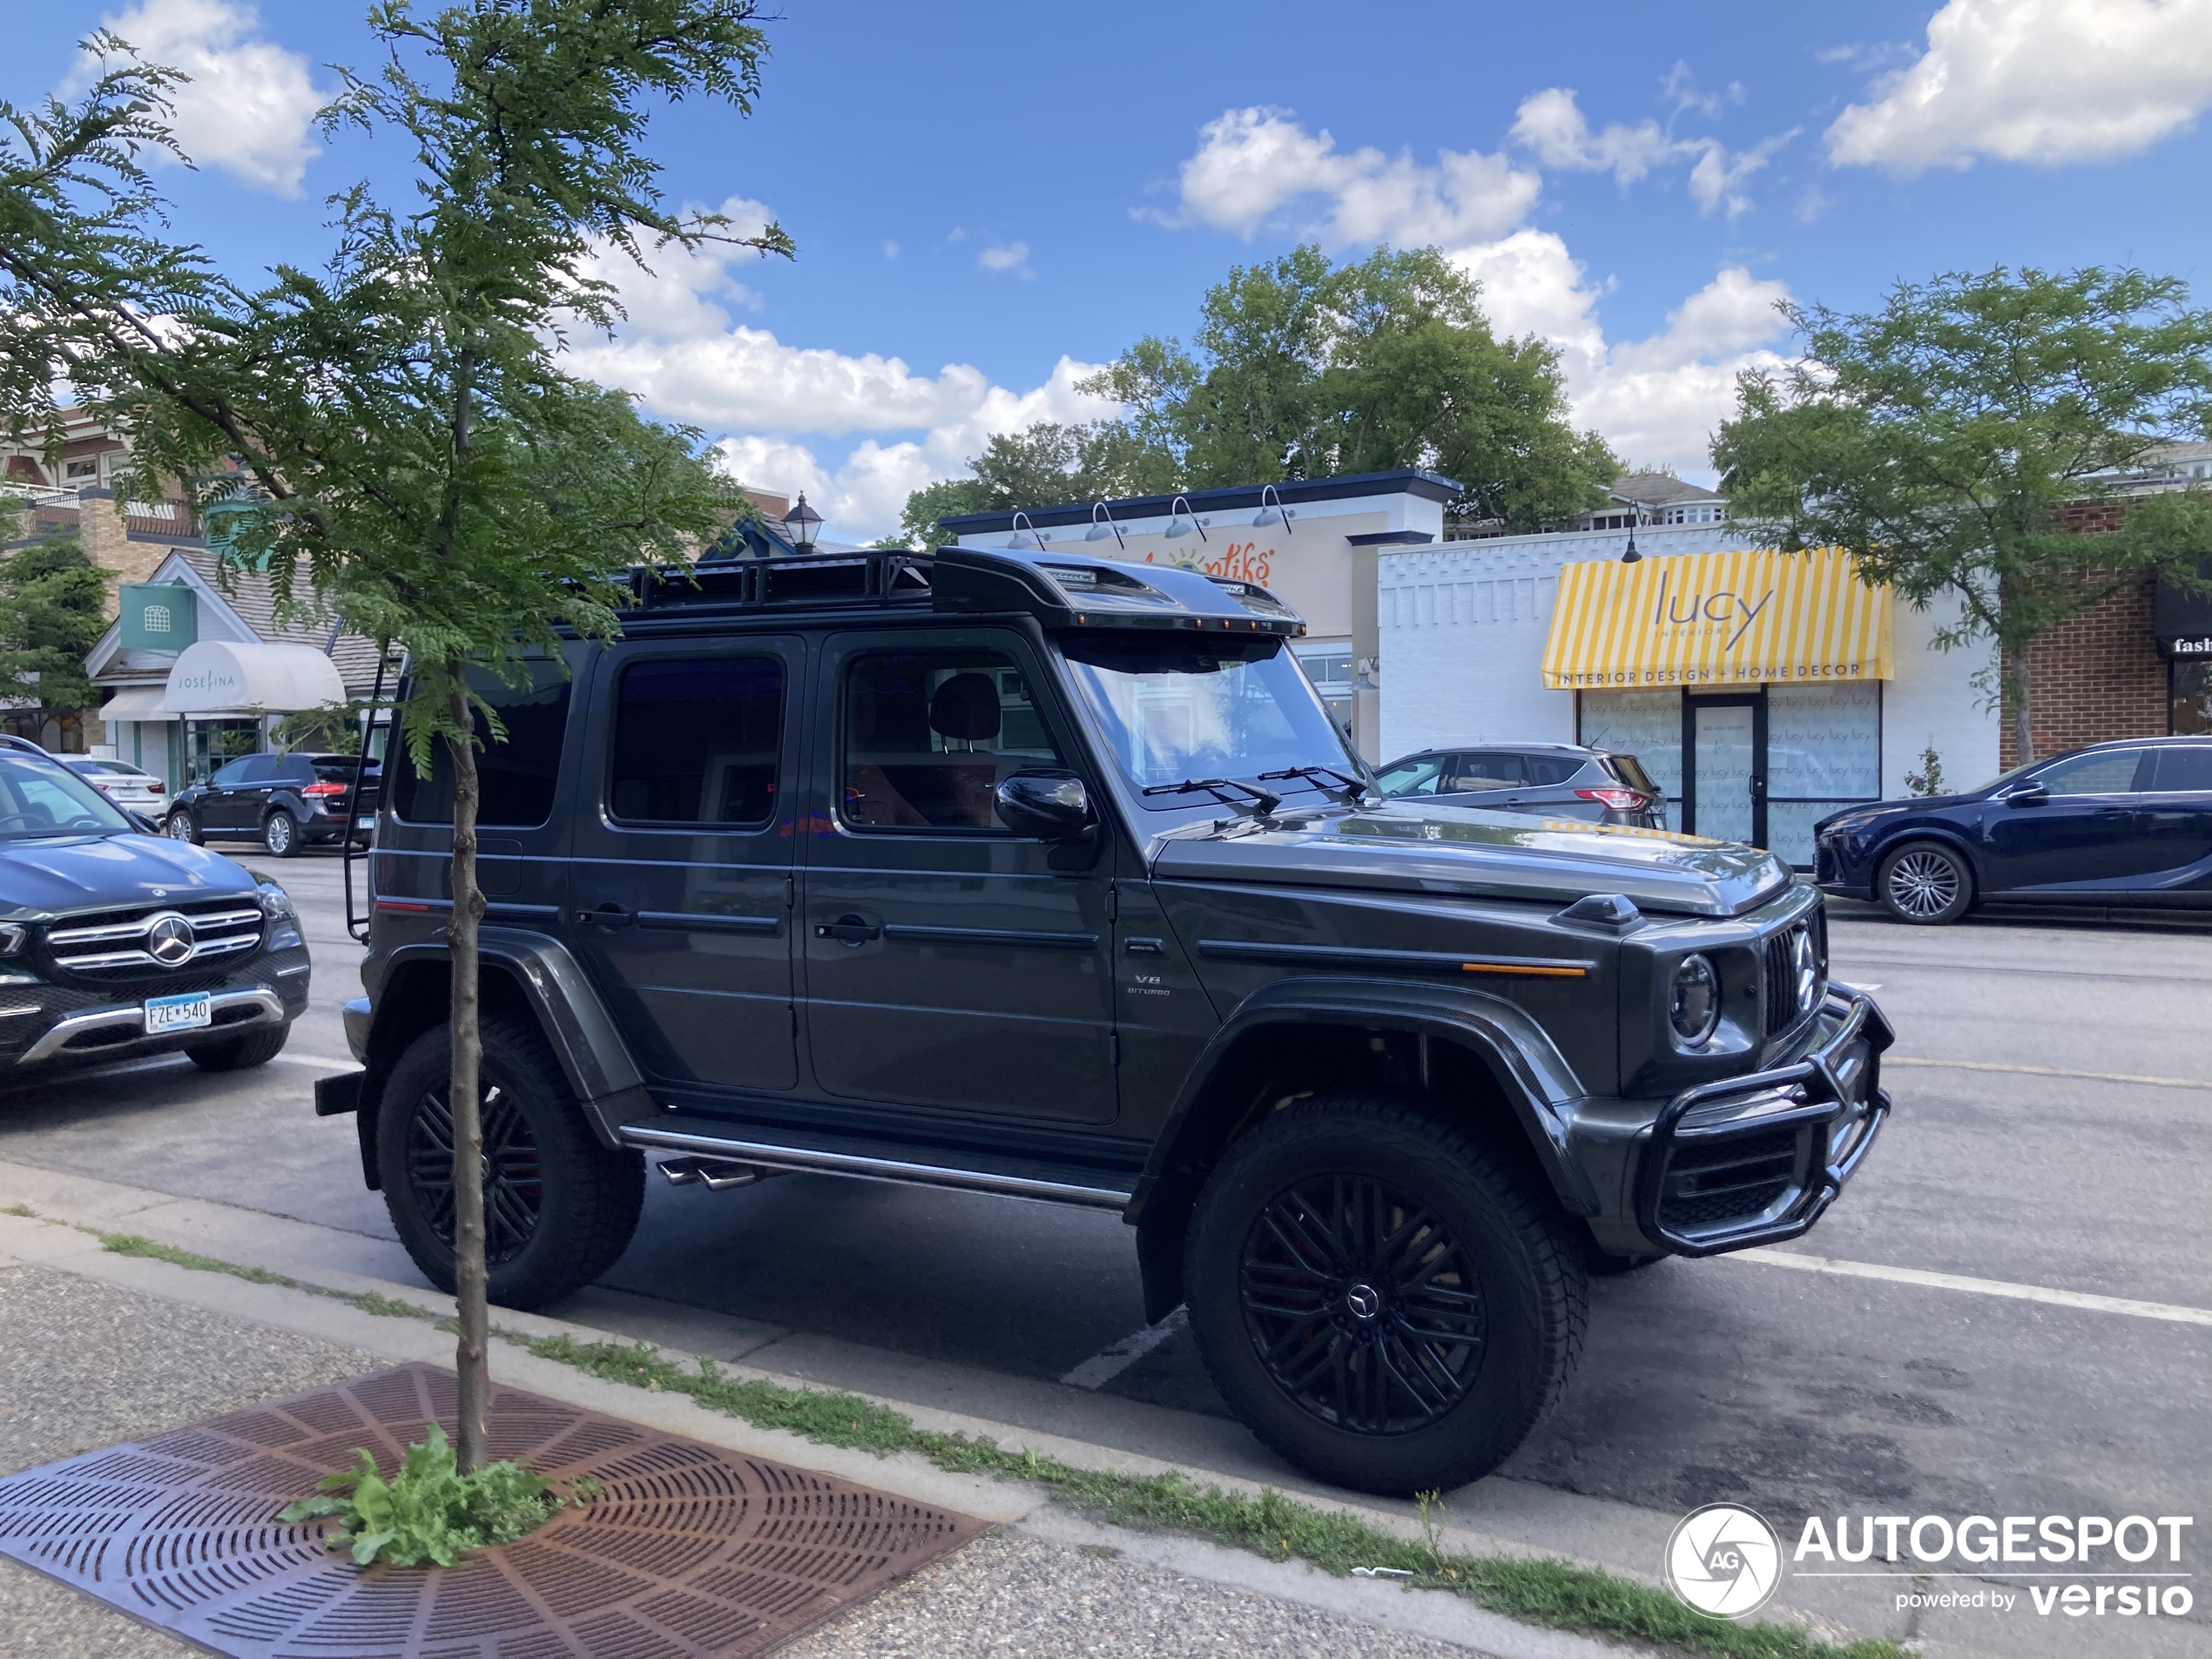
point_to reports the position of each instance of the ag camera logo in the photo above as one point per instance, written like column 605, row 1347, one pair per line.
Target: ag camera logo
column 1723, row 1560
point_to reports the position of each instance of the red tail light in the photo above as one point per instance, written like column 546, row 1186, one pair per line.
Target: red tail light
column 153, row 786
column 1619, row 800
column 324, row 789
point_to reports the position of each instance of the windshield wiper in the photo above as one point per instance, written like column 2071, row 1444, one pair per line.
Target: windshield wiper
column 1355, row 789
column 1264, row 802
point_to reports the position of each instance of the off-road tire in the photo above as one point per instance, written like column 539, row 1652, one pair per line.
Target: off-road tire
column 247, row 1050
column 1527, row 1265
column 281, row 834
column 591, row 1196
column 1911, row 884
column 179, row 827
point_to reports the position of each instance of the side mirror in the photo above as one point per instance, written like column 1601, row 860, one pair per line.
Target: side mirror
column 1049, row 806
column 2028, row 795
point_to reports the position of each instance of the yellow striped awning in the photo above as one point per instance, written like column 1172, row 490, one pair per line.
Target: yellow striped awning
column 1716, row 619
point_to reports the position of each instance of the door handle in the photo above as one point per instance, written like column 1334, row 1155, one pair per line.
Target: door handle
column 848, row 929
column 607, row 915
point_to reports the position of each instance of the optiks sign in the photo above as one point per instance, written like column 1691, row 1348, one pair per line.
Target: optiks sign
column 1728, row 1562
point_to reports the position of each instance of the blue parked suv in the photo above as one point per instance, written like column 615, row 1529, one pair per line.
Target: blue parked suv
column 2125, row 824
column 114, row 941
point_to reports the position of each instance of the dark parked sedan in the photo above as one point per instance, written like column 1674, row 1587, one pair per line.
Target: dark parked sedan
column 1549, row 780
column 283, row 801
column 2115, row 823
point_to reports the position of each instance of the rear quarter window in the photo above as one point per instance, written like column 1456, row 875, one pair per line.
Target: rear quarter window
column 517, row 775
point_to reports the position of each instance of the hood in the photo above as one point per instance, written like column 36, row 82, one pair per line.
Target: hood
column 100, row 871
column 1409, row 847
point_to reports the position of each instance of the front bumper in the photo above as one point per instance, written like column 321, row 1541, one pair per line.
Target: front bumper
column 57, row 1028
column 1759, row 1159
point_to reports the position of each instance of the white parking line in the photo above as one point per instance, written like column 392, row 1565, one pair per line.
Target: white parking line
column 1110, row 1362
column 2172, row 1312
column 2049, row 1071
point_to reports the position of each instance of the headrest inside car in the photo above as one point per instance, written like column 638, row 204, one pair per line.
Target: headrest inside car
column 966, row 708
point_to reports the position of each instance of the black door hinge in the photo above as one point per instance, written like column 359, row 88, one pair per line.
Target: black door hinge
column 791, row 892
column 1113, row 905
column 1113, row 1042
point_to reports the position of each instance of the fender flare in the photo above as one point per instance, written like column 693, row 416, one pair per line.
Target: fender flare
column 571, row 1016
column 1534, row 1079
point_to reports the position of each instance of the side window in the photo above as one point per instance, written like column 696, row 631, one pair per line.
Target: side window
column 696, row 741
column 2184, row 772
column 516, row 776
column 1415, row 777
column 294, row 769
column 233, row 774
column 2109, row 772
column 929, row 735
column 1487, row 771
column 1548, row 771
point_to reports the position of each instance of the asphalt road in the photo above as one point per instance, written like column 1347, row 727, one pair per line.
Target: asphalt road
column 1803, row 1393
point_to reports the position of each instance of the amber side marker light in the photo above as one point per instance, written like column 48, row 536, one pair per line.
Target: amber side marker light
column 1530, row 969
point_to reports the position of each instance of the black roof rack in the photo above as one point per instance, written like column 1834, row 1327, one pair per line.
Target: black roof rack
column 1060, row 590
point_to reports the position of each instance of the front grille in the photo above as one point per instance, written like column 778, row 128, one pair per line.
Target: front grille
column 1777, row 971
column 123, row 944
column 1731, row 1181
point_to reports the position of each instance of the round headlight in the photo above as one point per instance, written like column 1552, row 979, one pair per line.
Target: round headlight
column 1696, row 1008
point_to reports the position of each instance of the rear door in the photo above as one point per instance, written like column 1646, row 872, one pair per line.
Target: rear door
column 2177, row 819
column 680, row 885
column 949, row 961
column 1491, row 778
column 1548, row 786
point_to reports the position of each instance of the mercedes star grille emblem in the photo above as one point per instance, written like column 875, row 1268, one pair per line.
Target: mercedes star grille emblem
column 170, row 941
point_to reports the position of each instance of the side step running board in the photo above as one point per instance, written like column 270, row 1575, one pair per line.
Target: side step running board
column 1050, row 1184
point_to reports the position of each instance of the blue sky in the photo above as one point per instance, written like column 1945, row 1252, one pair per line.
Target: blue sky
column 988, row 199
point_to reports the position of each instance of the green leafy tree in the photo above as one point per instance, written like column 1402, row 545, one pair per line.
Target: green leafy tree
column 1299, row 369
column 1044, row 465
column 50, row 602
column 1958, row 440
column 413, row 458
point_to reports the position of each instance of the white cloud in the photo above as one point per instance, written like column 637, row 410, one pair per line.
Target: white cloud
column 1551, row 124
column 249, row 106
column 1014, row 256
column 2044, row 81
column 1252, row 164
column 687, row 358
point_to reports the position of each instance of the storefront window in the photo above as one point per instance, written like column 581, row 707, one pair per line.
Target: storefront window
column 2191, row 685
column 1330, row 669
column 1646, row 725
column 1824, row 751
column 210, row 744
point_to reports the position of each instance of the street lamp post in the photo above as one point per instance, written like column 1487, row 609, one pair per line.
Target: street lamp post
column 803, row 525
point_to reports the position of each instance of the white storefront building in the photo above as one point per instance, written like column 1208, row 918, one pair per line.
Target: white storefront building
column 1475, row 649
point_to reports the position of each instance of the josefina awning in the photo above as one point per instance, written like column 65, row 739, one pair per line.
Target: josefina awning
column 1716, row 619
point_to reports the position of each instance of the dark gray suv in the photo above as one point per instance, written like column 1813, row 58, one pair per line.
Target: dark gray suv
column 1049, row 876
column 1546, row 779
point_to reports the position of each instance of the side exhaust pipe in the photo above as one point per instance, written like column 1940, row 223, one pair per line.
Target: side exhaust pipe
column 718, row 1175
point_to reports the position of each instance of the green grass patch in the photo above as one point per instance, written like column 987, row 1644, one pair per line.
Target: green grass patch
column 23, row 1210
column 132, row 1245
column 390, row 1308
column 1553, row 1592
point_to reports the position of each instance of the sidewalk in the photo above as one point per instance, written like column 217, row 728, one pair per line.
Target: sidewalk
column 101, row 1347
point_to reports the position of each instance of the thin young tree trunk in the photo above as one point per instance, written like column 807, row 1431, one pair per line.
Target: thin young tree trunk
column 471, row 1360
column 2023, row 713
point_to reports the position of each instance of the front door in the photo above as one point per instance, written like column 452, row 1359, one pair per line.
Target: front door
column 950, row 962
column 1724, row 768
column 232, row 795
column 2084, row 830
column 680, row 885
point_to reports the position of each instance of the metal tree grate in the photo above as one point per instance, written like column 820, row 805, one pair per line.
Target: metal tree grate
column 693, row 1550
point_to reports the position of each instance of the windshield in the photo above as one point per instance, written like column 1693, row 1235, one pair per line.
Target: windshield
column 1171, row 709
column 39, row 798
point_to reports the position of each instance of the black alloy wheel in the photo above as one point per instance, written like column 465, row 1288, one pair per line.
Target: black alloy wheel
column 1384, row 1290
column 179, row 828
column 514, row 1174
column 559, row 1207
column 1925, row 884
column 1363, row 1306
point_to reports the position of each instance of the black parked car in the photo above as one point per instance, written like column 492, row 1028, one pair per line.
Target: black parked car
column 1048, row 876
column 1548, row 780
column 283, row 801
column 114, row 941
column 2124, row 824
